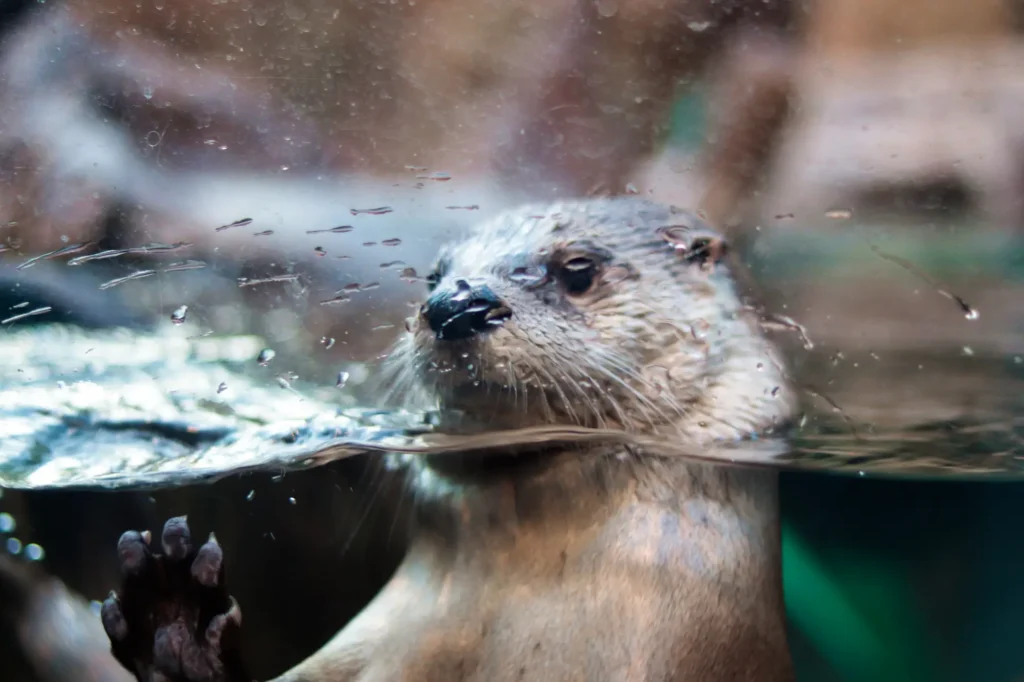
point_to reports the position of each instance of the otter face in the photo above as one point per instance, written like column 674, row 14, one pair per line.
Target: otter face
column 602, row 313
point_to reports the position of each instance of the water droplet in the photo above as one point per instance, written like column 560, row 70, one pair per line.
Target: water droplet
column 437, row 176
column 319, row 250
column 970, row 313
column 7, row 524
column 698, row 26
column 34, row 552
column 14, row 545
column 252, row 494
column 179, row 313
column 238, row 223
column 283, row 382
column 328, row 343
column 291, row 500
column 245, row 282
column 631, row 188
column 265, row 356
column 223, row 387
column 968, row 351
column 342, row 379
column 394, row 241
column 147, row 92
column 839, row 214
column 340, row 229
column 380, row 210
column 31, row 313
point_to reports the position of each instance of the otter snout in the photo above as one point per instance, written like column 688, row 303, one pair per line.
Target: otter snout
column 463, row 310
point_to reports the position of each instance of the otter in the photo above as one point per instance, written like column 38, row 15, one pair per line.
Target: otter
column 562, row 562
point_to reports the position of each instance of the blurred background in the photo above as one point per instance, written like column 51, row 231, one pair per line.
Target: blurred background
column 288, row 169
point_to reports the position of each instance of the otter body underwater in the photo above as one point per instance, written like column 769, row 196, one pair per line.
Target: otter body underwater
column 591, row 563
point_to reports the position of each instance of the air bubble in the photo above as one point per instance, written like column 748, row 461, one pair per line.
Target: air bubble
column 14, row 545
column 179, row 314
column 7, row 524
column 34, row 552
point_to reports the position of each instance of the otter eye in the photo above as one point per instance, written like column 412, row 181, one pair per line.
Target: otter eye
column 578, row 275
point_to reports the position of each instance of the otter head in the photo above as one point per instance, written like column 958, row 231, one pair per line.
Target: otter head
column 608, row 313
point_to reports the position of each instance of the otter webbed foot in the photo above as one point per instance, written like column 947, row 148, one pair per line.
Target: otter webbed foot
column 173, row 619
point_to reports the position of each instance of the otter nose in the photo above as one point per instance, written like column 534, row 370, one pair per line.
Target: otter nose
column 462, row 312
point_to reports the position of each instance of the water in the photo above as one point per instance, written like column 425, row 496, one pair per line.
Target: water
column 162, row 415
column 895, row 379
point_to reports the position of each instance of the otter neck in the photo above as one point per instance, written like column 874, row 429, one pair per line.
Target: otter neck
column 575, row 491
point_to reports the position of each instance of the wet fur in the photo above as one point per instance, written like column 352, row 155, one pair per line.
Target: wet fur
column 601, row 563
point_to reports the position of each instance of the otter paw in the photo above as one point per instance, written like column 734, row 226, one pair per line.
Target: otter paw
column 173, row 619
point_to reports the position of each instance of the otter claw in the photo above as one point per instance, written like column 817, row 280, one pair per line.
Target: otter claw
column 209, row 561
column 176, row 538
column 133, row 552
column 113, row 619
column 221, row 623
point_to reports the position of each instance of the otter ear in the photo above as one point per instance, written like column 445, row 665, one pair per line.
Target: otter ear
column 695, row 241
